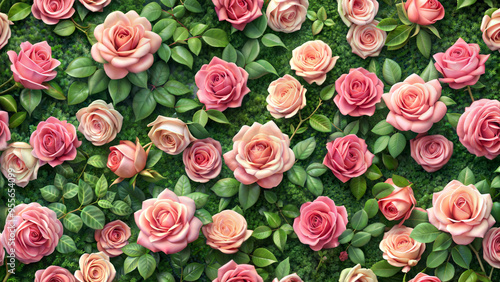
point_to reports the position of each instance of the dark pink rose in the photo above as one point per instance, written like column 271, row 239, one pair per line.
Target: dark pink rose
column 54, row 274
column 238, row 12
column 432, row 152
column 203, row 160
column 51, row 11
column 112, row 238
column 424, row 12
column 399, row 204
column 4, row 130
column 232, row 272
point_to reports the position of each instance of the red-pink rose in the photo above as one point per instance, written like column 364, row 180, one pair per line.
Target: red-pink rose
column 202, row 160
column 54, row 274
column 4, row 130
column 399, row 204
column 51, row 11
column 432, row 152
column 233, row 272
column 400, row 250
column 112, row 238
column 95, row 5
column 238, row 12
column 127, row 159
column 424, row 12
column 491, row 247
column 422, row 277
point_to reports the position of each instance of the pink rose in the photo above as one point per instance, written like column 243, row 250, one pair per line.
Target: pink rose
column 366, row 40
column 36, row 231
column 4, row 29
column 112, row 238
column 320, row 223
column 51, row 11
column 358, row 12
column 95, row 267
column 54, row 274
column 491, row 30
column 95, row 5
column 491, row 247
column 171, row 135
column 2, row 251
column 289, row 278
column 54, row 141
column 414, row 104
column 357, row 274
column 313, row 60
column 358, row 92
column 286, row 97
column 422, row 277
column 19, row 164
column 167, row 223
column 399, row 204
column 237, row 272
column 424, row 12
column 4, row 130
column 238, row 12
column 400, row 250
column 227, row 231
column 34, row 65
column 125, row 43
column 221, row 85
column 127, row 159
column 261, row 153
column 202, row 160
column 286, row 15
column 462, row 211
column 432, row 152
column 348, row 157
column 461, row 64
column 99, row 122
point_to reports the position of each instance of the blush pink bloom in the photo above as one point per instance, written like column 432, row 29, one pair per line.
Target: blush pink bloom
column 36, row 232
column 19, row 164
column 99, row 122
column 34, row 65
column 2, row 251
column 432, row 152
column 399, row 204
column 51, row 11
column 95, row 267
column 286, row 15
column 171, row 135
column 112, row 238
column 491, row 247
column 54, row 274
column 461, row 211
column 232, row 271
column 358, row 92
column 125, row 43
column 238, row 12
column 461, row 64
column 399, row 249
column 358, row 12
column 4, row 130
column 167, row 223
column 286, row 97
column 414, row 104
column 366, row 40
column 261, row 153
column 203, row 160
column 320, row 223
column 348, row 157
column 312, row 61
column 127, row 159
column 5, row 32
column 422, row 277
column 490, row 27
column 221, row 85
column 227, row 231
column 357, row 274
column 289, row 278
column 95, row 5
column 424, row 12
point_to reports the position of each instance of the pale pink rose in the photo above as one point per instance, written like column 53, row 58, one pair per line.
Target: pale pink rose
column 167, row 223
column 54, row 274
column 36, row 232
column 51, row 11
column 227, row 231
column 4, row 29
column 261, row 153
column 221, row 85
column 171, row 135
column 54, row 142
column 358, row 12
column 491, row 30
column 286, row 97
column 238, row 12
column 432, row 152
column 19, row 164
column 112, row 238
column 34, row 65
column 461, row 211
column 95, row 5
column 399, row 204
column 491, row 247
column 399, row 249
column 95, row 267
column 320, row 223
column 422, row 277
column 232, row 271
column 424, row 12
column 127, row 159
column 313, row 60
column 125, row 43
column 289, row 278
column 461, row 64
column 366, row 40
column 358, row 92
column 99, row 122
column 414, row 104
column 2, row 251
column 348, row 157
column 357, row 274
column 4, row 130
column 202, row 160
column 286, row 15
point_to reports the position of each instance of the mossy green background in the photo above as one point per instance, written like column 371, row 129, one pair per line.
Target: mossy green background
column 463, row 23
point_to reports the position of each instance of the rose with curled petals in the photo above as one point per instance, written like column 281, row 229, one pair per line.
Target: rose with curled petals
column 54, row 274
column 289, row 278
column 4, row 130
column 400, row 250
column 233, row 272
column 358, row 12
column 312, row 61
column 18, row 163
column 357, row 274
column 286, row 15
column 366, row 40
column 227, row 231
column 127, row 159
column 490, row 26
column 432, row 152
column 399, row 204
column 238, row 12
column 286, row 97
column 171, row 135
column 422, row 277
column 424, row 12
column 203, row 160
column 491, row 247
column 5, row 32
column 112, row 238
column 51, row 11
column 99, row 122
column 95, row 267
column 95, row 5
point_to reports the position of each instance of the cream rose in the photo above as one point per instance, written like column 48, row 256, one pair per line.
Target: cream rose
column 289, row 278
column 95, row 267
column 4, row 29
column 99, row 122
column 366, row 40
column 491, row 30
column 286, row 15
column 227, row 231
column 18, row 163
column 357, row 274
column 286, row 97
column 358, row 12
column 399, row 249
column 313, row 60
column 171, row 135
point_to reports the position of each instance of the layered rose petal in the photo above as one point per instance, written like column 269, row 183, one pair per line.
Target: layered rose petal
column 51, row 11
column 424, row 12
column 95, row 5
column 54, row 273
column 112, row 238
column 432, row 152
column 490, row 27
column 289, row 278
column 399, row 204
column 99, row 122
column 4, row 130
column 399, row 249
column 227, row 231
column 202, row 160
column 18, row 163
column 357, row 274
column 359, row 12
column 286, row 97
column 312, row 61
column 286, row 15
column 238, row 13
column 366, row 40
column 127, row 159
column 171, row 135
column 422, row 277
column 95, row 267
column 5, row 32
column 232, row 271
column 491, row 247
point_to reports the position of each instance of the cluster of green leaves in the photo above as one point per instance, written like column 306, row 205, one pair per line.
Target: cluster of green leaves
column 9, row 104
column 319, row 19
column 200, row 119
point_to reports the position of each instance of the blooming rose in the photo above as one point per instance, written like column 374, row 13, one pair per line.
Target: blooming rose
column 286, row 97
column 422, row 277
column 414, row 104
column 4, row 29
column 4, row 130
column 399, row 204
column 171, row 135
column 289, row 278
column 34, row 65
column 51, row 11
column 2, row 251
column 19, row 164
column 95, row 5
column 36, row 232
column 202, row 160
column 461, row 64
column 358, row 12
column 358, row 92
column 432, row 152
column 366, row 40
column 221, row 85
column 348, row 157
column 424, row 12
column 54, row 141
column 462, row 211
column 286, row 15
column 357, row 274
column 54, row 274
column 320, row 223
column 261, row 154
column 491, row 247
column 95, row 267
column 99, row 122
column 127, row 159
column 313, row 60
column 167, row 223
column 399, row 249
column 238, row 12
column 112, row 238
column 227, row 231
column 125, row 43
column 490, row 28
column 237, row 272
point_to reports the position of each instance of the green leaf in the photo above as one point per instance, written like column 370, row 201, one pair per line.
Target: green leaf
column 374, row 66
column 356, row 255
column 390, row 162
column 359, row 220
column 121, row 208
column 164, row 98
column 416, row 218
column 391, row 71
column 320, row 123
column 462, row 256
column 164, row 52
column 429, row 72
column 177, row 88
column 352, row 128
column 398, row 36
column 315, row 169
column 466, row 176
column 382, row 128
column 358, row 186
column 273, row 219
column 119, row 89
column 251, row 50
column 217, row 116
column 304, row 149
column 200, row 117
column 165, row 28
column 81, row 67
column 314, row 185
column 19, row 11
column 54, row 91
column 263, row 257
column 181, row 258
column 98, row 161
column 93, row 217
column 82, row 11
column 66, row 245
column 58, row 208
column 73, row 222
column 160, row 73
column 464, row 3
column 229, row 54
column 152, row 12
column 185, row 105
column 134, row 250
column 169, row 3
column 30, row 99
column 256, row 28
column 317, row 27
column 182, row 56
column 198, row 29
column 240, row 59
column 180, row 34
column 290, row 211
column 468, row 276
column 70, row 190
column 98, row 82
column 8, row 103
column 373, row 172
column 262, row 232
column 327, row 92
column 297, row 175
column 60, row 181
column 403, row 17
column 200, row 199
column 400, row 181
column 147, row 264
column 311, row 15
column 371, row 208
column 388, row 24
column 198, row 130
column 248, row 195
column 447, row 101
column 397, row 144
column 346, row 236
column 204, row 216
column 64, row 28
column 105, row 204
column 424, row 43
column 384, row 269
column 226, row 187
column 101, row 187
column 279, row 239
column 193, row 271
column 216, row 37
column 194, row 45
column 78, row 92
column 375, row 229
column 360, row 239
column 283, row 269
column 443, row 242
column 453, row 119
column 425, row 233
column 445, row 272
column 50, row 193
column 130, row 264
column 139, row 79
column 322, row 14
column 259, row 68
column 272, row 40
column 85, row 194
column 143, row 104
column 380, row 144
column 195, row 7
column 183, row 186
column 436, row 258
column 382, row 190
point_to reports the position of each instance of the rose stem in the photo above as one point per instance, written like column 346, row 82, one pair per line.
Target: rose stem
column 303, row 120
column 491, row 272
column 477, row 254
column 81, row 28
column 6, row 266
column 470, row 93
column 11, row 88
column 10, row 79
column 176, row 19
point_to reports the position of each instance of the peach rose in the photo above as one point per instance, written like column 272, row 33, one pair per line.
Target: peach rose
column 424, row 12
column 461, row 64
column 36, row 232
column 432, row 152
column 127, row 159
column 125, row 43
column 95, row 5
column 358, row 92
column 320, row 223
column 112, row 238
column 4, row 130
column 232, row 271
column 51, row 11
column 357, row 274
column 491, row 30
column 221, row 85
column 399, row 249
column 54, row 274
column 491, row 247
column 238, row 12
column 462, row 211
column 348, row 157
column 313, row 60
column 227, row 231
column 399, row 204
column 99, row 122
column 202, row 160
column 261, row 153
column 167, row 223
column 422, row 277
column 289, row 278
column 358, row 12
column 34, row 65
column 286, row 97
column 366, row 40
column 95, row 267
column 171, row 135
column 4, row 29
column 19, row 164
column 414, row 104
column 286, row 15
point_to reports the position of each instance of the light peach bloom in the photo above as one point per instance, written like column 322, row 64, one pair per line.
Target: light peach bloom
column 491, row 247
column 233, row 272
column 422, row 277
column 4, row 29
column 95, row 5
column 18, row 161
column 286, row 15
column 171, row 135
column 286, row 97
column 490, row 27
column 127, row 159
column 227, row 231
column 399, row 204
column 54, row 274
column 432, row 152
column 358, row 12
column 424, row 12
column 289, row 278
column 112, row 238
column 399, row 249
column 357, row 274
column 95, row 267
column 203, row 160
column 312, row 61
column 366, row 40
column 99, row 122
column 51, row 11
